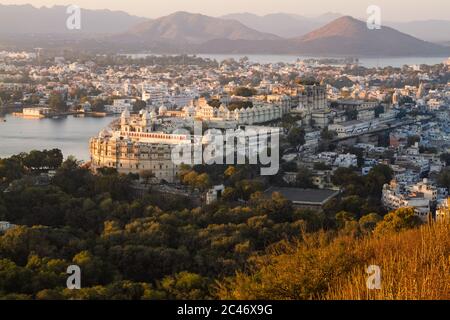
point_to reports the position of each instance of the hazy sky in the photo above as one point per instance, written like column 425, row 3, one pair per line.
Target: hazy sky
column 398, row 10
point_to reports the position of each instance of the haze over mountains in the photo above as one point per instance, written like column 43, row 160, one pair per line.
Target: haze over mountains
column 183, row 32
column 26, row 19
column 292, row 25
column 196, row 29
column 283, row 24
column 429, row 30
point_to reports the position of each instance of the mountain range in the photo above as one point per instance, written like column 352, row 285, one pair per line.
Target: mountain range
column 188, row 28
column 347, row 35
column 183, row 32
column 282, row 24
column 27, row 19
column 292, row 25
column 429, row 30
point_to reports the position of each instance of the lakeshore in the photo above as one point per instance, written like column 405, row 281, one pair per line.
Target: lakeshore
column 71, row 134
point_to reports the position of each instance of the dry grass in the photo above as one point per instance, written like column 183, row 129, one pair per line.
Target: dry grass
column 415, row 264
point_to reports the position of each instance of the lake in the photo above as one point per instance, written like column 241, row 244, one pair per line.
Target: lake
column 367, row 62
column 70, row 134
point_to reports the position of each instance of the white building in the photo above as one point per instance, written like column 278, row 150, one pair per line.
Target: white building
column 421, row 196
column 245, row 116
column 38, row 112
column 349, row 128
column 346, row 161
column 214, row 194
column 120, row 105
column 134, row 146
column 5, row 226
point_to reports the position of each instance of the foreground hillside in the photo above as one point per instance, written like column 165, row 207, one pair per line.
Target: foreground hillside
column 415, row 264
column 155, row 245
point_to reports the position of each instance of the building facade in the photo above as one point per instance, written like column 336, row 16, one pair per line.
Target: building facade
column 134, row 146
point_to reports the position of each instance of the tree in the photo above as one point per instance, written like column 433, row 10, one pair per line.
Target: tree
column 368, row 222
column 443, row 178
column 398, row 220
column 304, row 178
column 343, row 217
column 325, row 134
column 377, row 178
column 92, row 268
column 290, row 166
column 351, row 114
column 214, row 103
column 11, row 169
column 296, row 137
column 378, row 110
column 73, row 179
column 49, row 294
column 53, row 158
column 445, row 157
column 146, row 176
column 345, row 176
column 57, row 103
column 139, row 105
column 185, row 286
column 203, row 182
column 240, row 105
column 320, row 166
column 244, row 92
column 35, row 160
column 189, row 178
column 98, row 105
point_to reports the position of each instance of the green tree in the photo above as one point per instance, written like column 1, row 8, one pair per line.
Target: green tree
column 368, row 222
column 445, row 157
column 146, row 176
column 443, row 178
column 296, row 137
column 304, row 178
column 185, row 286
column 139, row 105
column 244, row 92
column 398, row 220
column 57, row 103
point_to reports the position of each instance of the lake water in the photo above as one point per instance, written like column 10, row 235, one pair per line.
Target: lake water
column 365, row 62
column 70, row 134
column 368, row 62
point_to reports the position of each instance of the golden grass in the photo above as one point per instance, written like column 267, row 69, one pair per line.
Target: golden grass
column 415, row 265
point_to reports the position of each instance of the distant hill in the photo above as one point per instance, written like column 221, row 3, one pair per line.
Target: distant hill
column 188, row 28
column 343, row 36
column 347, row 35
column 27, row 19
column 28, row 27
column 429, row 30
column 292, row 25
column 283, row 24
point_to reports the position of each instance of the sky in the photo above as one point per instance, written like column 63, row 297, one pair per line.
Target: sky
column 392, row 10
